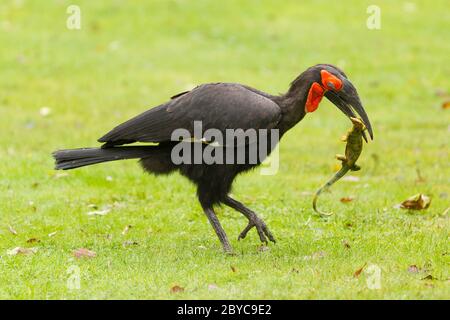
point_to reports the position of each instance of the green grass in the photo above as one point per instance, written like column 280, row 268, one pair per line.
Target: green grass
column 127, row 58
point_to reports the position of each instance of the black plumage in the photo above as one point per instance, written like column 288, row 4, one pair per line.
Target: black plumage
column 218, row 106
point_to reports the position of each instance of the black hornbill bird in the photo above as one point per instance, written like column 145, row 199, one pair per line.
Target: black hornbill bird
column 219, row 106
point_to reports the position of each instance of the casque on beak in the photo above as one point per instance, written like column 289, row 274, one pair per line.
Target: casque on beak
column 347, row 100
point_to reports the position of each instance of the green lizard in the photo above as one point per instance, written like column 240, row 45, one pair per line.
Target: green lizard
column 352, row 152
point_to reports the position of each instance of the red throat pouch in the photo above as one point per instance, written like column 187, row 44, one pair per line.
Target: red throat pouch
column 315, row 95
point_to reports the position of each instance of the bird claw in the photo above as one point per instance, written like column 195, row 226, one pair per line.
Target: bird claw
column 261, row 228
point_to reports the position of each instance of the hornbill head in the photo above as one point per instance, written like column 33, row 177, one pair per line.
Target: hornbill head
column 331, row 82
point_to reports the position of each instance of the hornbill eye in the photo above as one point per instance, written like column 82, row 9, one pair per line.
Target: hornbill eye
column 330, row 81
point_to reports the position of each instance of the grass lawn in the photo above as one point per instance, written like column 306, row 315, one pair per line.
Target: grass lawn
column 129, row 57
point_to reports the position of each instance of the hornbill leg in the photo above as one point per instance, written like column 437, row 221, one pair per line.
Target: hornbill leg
column 253, row 220
column 218, row 229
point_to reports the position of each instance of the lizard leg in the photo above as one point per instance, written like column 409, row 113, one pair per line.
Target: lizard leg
column 355, row 167
column 341, row 157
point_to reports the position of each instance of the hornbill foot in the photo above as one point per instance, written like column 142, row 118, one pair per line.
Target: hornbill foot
column 261, row 228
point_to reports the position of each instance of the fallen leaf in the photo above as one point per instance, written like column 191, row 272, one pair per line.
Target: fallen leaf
column 446, row 105
column 233, row 268
column 429, row 277
column 263, row 248
column 413, row 269
column 126, row 229
column 84, row 253
column 176, row 289
column 12, row 230
column 359, row 271
column 346, row 244
column 20, row 250
column 416, row 202
column 33, row 240
column 52, row 234
column 99, row 212
column 350, row 178
column 346, row 199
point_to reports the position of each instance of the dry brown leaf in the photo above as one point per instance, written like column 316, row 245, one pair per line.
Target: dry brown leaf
column 346, row 199
column 33, row 240
column 446, row 105
column 416, row 202
column 12, row 230
column 233, row 268
column 84, row 253
column 176, row 289
column 359, row 271
column 413, row 269
column 348, row 225
column 346, row 244
column 20, row 250
column 429, row 277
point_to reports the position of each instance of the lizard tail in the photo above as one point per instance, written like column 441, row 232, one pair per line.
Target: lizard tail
column 335, row 178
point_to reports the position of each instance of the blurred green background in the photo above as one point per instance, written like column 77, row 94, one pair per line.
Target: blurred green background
column 62, row 88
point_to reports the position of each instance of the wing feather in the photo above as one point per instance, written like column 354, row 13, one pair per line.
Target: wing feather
column 221, row 106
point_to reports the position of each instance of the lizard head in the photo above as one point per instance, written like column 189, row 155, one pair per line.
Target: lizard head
column 358, row 124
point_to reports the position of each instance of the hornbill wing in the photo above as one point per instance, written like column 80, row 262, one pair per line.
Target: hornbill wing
column 218, row 106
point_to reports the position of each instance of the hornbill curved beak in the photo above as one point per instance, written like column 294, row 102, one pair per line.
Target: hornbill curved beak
column 347, row 100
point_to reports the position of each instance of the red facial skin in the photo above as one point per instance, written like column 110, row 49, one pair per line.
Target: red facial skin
column 315, row 95
column 317, row 90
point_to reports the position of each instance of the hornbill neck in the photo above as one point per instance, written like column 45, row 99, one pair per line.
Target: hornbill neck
column 292, row 103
